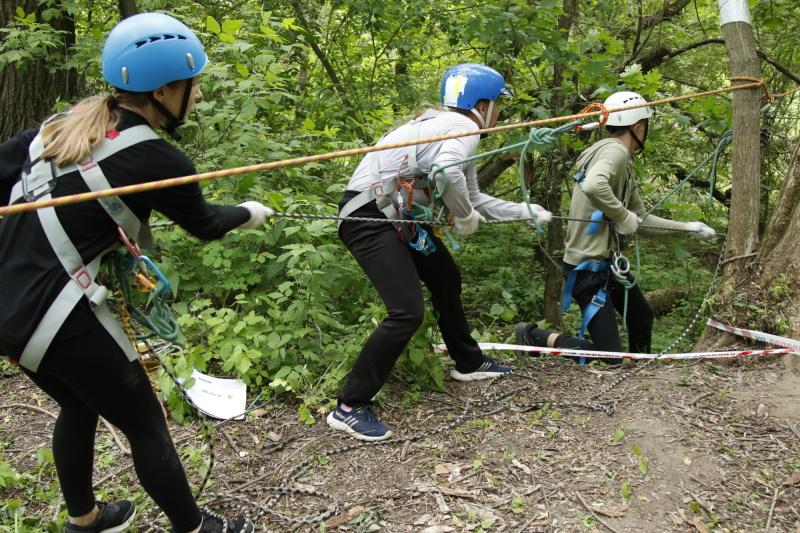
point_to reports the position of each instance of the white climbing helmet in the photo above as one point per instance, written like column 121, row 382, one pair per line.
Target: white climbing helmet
column 627, row 117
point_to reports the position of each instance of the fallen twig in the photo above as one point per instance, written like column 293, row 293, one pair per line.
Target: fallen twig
column 793, row 429
column 589, row 508
column 113, row 432
column 31, row 407
column 775, row 493
column 696, row 399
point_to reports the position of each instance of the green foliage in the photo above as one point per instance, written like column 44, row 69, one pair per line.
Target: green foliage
column 285, row 307
column 25, row 40
column 643, row 461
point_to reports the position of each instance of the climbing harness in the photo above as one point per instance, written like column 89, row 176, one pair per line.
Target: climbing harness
column 37, row 181
column 395, row 197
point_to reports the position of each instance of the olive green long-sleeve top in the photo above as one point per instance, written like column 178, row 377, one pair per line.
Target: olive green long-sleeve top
column 609, row 186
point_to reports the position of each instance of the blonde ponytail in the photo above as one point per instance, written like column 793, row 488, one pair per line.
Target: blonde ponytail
column 70, row 137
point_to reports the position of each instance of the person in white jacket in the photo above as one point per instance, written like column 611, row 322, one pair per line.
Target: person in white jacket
column 398, row 259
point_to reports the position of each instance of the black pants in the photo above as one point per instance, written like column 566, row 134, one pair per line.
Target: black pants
column 396, row 270
column 603, row 327
column 89, row 376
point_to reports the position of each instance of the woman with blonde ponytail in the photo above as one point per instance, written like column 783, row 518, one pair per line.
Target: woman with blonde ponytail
column 54, row 321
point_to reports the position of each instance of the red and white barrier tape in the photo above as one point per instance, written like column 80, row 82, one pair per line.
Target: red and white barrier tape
column 757, row 335
column 486, row 346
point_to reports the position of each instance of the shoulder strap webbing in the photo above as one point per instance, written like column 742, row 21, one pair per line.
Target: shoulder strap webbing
column 413, row 135
column 41, row 179
column 82, row 277
column 581, row 174
column 82, row 284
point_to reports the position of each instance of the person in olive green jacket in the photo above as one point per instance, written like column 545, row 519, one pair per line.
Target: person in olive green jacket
column 606, row 191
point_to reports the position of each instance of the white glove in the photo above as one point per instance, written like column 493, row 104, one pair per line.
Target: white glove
column 258, row 213
column 536, row 213
column 629, row 225
column 469, row 224
column 700, row 231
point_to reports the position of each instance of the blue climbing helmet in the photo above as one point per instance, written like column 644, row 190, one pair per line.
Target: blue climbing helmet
column 463, row 85
column 149, row 50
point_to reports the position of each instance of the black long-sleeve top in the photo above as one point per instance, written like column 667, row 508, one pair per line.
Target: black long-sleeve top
column 31, row 275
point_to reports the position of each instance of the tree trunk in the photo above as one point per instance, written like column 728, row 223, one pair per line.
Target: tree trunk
column 742, row 238
column 127, row 8
column 551, row 197
column 746, row 171
column 27, row 97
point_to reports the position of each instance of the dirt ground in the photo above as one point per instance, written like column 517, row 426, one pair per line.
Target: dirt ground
column 691, row 446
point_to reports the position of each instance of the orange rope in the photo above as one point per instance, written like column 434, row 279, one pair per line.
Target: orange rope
column 787, row 93
column 761, row 82
column 172, row 182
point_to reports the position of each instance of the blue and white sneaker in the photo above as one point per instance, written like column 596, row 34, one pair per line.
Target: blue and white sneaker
column 362, row 423
column 488, row 370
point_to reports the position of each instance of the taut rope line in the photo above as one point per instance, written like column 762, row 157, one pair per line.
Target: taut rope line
column 216, row 174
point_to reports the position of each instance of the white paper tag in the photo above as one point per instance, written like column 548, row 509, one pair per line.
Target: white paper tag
column 219, row 397
column 734, row 11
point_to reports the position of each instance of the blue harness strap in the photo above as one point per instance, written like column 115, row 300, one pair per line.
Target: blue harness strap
column 598, row 301
column 594, row 225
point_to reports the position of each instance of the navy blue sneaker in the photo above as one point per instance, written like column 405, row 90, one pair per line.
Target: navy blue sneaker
column 361, row 422
column 112, row 518
column 489, row 369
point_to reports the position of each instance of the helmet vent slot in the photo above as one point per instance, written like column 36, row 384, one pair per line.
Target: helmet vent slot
column 157, row 38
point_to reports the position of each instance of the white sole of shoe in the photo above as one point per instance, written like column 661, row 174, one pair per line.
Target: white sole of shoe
column 341, row 426
column 476, row 376
column 122, row 527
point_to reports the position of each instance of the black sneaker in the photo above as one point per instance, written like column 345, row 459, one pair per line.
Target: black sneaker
column 113, row 518
column 217, row 524
column 489, row 369
column 522, row 338
column 361, row 422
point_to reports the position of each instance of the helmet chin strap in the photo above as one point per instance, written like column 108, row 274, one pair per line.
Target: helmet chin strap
column 173, row 123
column 640, row 142
column 481, row 118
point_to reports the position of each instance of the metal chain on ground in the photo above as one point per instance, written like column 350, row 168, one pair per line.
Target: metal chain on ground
column 590, row 401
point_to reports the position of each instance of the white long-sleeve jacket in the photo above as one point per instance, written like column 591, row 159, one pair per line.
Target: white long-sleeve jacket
column 462, row 192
